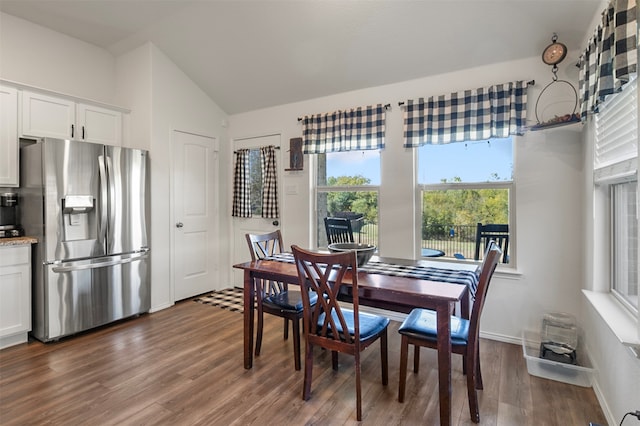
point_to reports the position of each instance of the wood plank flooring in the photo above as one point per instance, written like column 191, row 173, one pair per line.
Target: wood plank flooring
column 183, row 366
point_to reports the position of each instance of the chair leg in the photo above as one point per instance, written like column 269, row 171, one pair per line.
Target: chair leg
column 286, row 328
column 384, row 358
column 416, row 358
column 404, row 355
column 260, row 315
column 358, row 388
column 334, row 360
column 479, row 384
column 296, row 342
column 308, row 368
column 472, row 393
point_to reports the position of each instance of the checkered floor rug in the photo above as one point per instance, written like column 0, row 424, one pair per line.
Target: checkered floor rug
column 228, row 298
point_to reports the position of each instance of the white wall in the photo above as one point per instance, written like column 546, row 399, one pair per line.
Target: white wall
column 165, row 99
column 34, row 55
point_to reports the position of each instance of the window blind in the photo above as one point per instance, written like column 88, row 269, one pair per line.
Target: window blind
column 616, row 131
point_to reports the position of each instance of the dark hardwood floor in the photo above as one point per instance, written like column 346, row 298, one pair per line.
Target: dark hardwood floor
column 183, row 366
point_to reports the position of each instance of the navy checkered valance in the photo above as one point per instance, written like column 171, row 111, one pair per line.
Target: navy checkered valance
column 488, row 112
column 356, row 129
column 611, row 57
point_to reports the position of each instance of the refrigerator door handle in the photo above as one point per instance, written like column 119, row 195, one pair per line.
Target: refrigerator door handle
column 99, row 263
column 112, row 192
column 103, row 198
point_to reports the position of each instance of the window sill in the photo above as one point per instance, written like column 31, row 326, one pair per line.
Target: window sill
column 622, row 323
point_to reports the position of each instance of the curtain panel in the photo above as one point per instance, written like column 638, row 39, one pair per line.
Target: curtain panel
column 611, row 56
column 356, row 129
column 269, row 182
column 241, row 185
column 489, row 112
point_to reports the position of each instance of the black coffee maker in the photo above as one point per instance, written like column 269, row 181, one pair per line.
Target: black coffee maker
column 9, row 226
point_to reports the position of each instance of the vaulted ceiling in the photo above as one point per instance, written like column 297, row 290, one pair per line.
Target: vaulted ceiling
column 248, row 55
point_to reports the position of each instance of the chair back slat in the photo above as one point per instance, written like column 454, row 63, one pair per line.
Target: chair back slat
column 261, row 246
column 338, row 230
column 488, row 267
column 325, row 274
column 499, row 233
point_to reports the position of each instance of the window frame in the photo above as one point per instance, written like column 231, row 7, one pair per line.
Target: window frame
column 623, row 299
column 316, row 229
column 499, row 184
column 612, row 170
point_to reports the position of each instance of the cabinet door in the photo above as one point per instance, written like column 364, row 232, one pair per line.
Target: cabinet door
column 8, row 136
column 99, row 125
column 15, row 290
column 47, row 116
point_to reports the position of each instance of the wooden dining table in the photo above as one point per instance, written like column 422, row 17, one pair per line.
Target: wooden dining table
column 391, row 292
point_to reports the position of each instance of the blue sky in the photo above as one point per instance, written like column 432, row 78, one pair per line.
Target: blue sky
column 471, row 161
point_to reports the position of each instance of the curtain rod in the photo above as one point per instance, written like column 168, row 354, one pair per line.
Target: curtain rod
column 529, row 83
column 276, row 147
column 387, row 106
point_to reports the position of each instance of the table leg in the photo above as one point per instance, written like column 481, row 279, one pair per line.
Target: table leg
column 444, row 362
column 249, row 295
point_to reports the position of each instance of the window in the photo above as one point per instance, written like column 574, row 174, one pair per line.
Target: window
column 461, row 185
column 615, row 171
column 255, row 182
column 347, row 186
column 624, row 231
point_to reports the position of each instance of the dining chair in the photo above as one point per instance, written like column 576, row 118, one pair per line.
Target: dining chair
column 328, row 324
column 274, row 297
column 492, row 231
column 420, row 329
column 338, row 230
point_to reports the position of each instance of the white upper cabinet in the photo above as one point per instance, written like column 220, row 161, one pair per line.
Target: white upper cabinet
column 8, row 136
column 47, row 116
column 100, row 125
column 50, row 116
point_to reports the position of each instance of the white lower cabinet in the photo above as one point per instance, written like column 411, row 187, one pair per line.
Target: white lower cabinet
column 15, row 294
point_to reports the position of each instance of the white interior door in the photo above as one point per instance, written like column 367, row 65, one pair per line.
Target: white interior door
column 255, row 224
column 195, row 211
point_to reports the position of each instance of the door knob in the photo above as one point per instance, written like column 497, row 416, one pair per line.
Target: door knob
column 275, row 223
column 179, row 225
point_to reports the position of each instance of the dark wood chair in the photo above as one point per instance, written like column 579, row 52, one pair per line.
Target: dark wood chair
column 496, row 232
column 420, row 329
column 274, row 297
column 338, row 230
column 330, row 326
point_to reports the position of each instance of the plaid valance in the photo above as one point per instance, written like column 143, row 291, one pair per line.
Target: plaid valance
column 611, row 56
column 489, row 112
column 353, row 130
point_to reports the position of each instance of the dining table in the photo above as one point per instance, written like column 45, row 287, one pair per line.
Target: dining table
column 388, row 283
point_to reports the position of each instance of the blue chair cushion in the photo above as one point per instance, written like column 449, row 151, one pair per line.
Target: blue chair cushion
column 370, row 325
column 421, row 323
column 288, row 300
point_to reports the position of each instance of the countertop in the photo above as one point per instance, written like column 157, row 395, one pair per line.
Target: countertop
column 17, row 241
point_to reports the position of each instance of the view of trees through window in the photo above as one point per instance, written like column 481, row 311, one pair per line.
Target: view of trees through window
column 463, row 184
column 347, row 187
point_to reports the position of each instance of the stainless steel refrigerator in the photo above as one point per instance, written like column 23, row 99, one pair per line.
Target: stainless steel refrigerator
column 87, row 205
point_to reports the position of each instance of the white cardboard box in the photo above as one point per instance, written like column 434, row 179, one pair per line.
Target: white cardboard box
column 579, row 375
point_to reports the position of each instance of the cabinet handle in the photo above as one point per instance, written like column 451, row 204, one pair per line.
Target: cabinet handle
column 82, row 132
column 72, row 129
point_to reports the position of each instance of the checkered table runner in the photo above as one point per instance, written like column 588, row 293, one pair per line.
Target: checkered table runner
column 454, row 276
